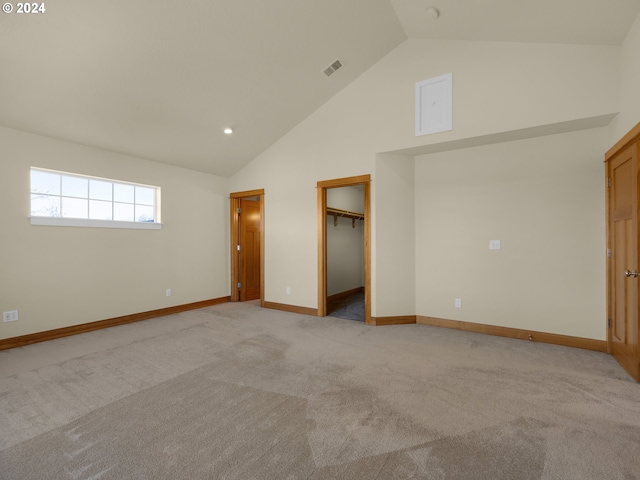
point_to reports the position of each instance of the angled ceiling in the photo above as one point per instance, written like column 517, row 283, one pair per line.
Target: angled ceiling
column 160, row 79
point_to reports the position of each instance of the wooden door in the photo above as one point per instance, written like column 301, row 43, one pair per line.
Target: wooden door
column 249, row 261
column 623, row 264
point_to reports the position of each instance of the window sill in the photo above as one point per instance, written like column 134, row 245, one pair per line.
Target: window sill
column 83, row 222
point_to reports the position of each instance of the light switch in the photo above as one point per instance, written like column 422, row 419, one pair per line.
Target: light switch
column 494, row 244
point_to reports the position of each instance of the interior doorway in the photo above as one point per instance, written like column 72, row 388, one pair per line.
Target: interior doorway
column 345, row 252
column 247, row 245
column 363, row 182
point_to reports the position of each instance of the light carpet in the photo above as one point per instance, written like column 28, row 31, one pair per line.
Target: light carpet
column 239, row 392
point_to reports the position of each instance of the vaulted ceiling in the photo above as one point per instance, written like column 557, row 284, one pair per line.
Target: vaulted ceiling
column 160, row 79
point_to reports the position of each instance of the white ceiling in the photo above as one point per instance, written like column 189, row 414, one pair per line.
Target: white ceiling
column 160, row 79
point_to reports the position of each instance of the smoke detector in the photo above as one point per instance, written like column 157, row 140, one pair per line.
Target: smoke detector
column 331, row 69
column 432, row 13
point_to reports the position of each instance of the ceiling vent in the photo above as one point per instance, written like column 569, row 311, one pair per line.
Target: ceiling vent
column 331, row 69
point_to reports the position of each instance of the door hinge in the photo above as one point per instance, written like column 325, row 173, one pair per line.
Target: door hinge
column 609, row 252
column 608, row 181
column 239, row 285
column 239, row 210
column 238, row 247
column 609, row 322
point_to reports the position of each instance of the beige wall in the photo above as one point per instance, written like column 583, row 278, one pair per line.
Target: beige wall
column 61, row 276
column 543, row 198
column 394, row 238
column 345, row 243
column 497, row 88
column 629, row 80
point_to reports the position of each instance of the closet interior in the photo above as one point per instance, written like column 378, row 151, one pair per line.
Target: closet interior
column 345, row 253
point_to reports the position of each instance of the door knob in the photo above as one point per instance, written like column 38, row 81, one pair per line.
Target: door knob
column 633, row 274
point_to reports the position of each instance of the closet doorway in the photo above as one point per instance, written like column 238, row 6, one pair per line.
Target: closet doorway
column 247, row 246
column 351, row 210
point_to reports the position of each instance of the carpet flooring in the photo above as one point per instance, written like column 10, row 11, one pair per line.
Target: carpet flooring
column 348, row 308
column 239, row 392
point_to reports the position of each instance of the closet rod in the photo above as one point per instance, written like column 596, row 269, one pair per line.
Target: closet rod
column 336, row 212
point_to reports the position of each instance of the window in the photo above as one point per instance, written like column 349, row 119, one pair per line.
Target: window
column 67, row 199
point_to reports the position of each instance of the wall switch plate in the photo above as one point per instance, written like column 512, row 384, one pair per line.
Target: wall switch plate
column 288, row 291
column 11, row 316
column 458, row 303
column 168, row 292
column 494, row 244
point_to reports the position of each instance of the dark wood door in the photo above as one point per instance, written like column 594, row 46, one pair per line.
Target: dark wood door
column 249, row 254
column 623, row 281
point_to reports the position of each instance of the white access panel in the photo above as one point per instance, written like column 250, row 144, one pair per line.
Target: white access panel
column 434, row 105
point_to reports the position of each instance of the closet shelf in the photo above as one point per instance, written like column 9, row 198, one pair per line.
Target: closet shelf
column 336, row 212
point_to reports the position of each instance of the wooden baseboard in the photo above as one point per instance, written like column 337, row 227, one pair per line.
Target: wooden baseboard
column 100, row 324
column 533, row 336
column 397, row 320
column 341, row 295
column 291, row 308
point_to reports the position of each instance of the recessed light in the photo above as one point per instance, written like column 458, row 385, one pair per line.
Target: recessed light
column 228, row 131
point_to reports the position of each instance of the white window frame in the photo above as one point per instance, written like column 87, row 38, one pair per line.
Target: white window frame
column 87, row 222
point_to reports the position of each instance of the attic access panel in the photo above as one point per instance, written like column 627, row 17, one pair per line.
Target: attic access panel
column 434, row 105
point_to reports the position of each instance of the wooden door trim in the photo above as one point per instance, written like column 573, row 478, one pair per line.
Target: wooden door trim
column 608, row 266
column 345, row 182
column 247, row 194
column 322, row 186
column 234, row 203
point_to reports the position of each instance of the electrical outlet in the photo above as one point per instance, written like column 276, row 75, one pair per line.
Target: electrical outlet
column 458, row 303
column 11, row 316
column 494, row 244
column 168, row 292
